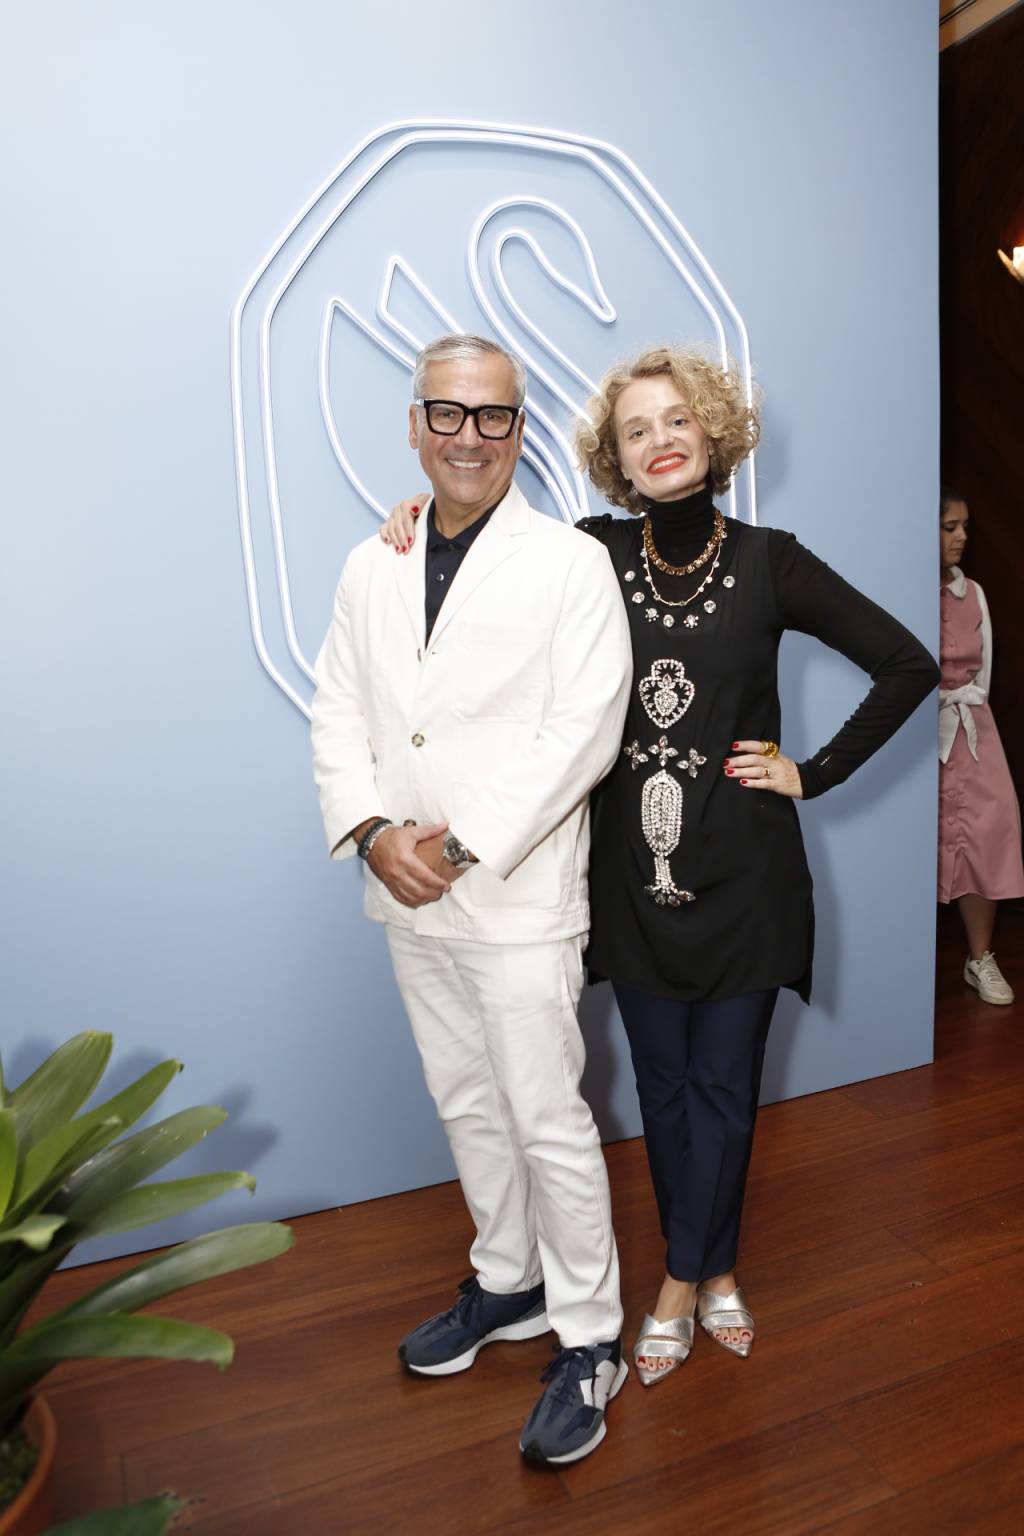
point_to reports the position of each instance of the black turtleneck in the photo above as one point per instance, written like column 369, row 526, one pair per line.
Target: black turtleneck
column 681, row 529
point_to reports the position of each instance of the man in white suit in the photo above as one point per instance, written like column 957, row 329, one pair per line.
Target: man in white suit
column 468, row 699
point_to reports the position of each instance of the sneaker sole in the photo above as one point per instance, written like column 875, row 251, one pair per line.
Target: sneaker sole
column 532, row 1453
column 526, row 1328
column 993, row 1002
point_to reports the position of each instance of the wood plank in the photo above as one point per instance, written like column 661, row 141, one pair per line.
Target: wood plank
column 836, row 1199
column 970, row 1234
column 87, row 1483
column 768, row 1492
column 822, row 1282
column 391, row 1441
column 981, row 1500
column 947, row 1419
column 967, row 1116
column 965, row 1068
column 783, row 1482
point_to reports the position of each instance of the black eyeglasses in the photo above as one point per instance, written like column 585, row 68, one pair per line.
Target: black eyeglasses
column 446, row 418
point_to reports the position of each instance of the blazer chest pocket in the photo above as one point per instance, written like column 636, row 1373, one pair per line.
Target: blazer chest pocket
column 501, row 671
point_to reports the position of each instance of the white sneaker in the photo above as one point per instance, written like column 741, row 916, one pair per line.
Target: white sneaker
column 985, row 975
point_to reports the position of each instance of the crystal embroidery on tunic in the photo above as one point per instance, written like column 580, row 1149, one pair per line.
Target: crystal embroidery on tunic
column 666, row 694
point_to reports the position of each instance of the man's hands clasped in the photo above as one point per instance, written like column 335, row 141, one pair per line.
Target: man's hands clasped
column 410, row 861
column 396, row 860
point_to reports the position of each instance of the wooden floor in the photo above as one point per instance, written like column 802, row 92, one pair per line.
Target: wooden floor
column 884, row 1256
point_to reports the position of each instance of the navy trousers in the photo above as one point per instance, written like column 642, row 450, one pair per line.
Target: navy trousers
column 698, row 1074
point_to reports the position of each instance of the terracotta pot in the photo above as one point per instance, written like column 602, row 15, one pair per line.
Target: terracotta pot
column 32, row 1511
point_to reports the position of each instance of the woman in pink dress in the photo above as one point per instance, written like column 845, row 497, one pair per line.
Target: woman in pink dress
column 979, row 818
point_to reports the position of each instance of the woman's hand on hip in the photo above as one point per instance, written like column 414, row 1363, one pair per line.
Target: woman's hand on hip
column 753, row 768
column 400, row 527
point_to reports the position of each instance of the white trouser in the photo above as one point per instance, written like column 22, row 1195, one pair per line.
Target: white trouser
column 503, row 1054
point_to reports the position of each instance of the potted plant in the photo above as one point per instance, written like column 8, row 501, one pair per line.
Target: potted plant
column 66, row 1177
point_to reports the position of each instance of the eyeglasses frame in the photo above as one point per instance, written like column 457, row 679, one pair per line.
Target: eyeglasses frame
column 474, row 411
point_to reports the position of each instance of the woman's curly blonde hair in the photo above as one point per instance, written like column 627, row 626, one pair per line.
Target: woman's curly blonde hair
column 716, row 396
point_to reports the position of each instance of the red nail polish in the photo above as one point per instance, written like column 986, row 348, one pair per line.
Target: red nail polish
column 743, row 781
column 735, row 746
column 732, row 770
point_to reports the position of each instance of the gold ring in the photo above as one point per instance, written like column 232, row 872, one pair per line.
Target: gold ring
column 767, row 773
column 769, row 749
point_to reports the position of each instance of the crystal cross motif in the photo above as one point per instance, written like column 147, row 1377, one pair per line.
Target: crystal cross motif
column 692, row 763
column 636, row 757
column 662, row 751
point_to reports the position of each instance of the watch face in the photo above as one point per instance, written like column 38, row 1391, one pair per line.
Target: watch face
column 454, row 851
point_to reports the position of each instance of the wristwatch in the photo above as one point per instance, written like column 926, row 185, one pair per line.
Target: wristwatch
column 456, row 853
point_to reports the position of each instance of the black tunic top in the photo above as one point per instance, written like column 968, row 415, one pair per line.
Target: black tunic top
column 699, row 888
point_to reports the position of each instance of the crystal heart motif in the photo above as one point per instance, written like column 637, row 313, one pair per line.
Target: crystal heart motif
column 666, row 693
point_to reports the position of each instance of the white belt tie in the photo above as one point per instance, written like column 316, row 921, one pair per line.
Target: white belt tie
column 955, row 709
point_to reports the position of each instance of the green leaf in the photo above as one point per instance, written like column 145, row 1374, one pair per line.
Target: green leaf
column 93, row 1140
column 19, row 1288
column 57, row 1089
column 50, row 1154
column 156, row 1202
column 118, row 1337
column 132, row 1102
column 134, row 1159
column 35, row 1352
column 8, row 1157
column 53, row 1152
column 35, row 1232
column 148, row 1518
column 202, row 1258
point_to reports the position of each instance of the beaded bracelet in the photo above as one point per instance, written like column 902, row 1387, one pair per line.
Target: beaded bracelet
column 371, row 835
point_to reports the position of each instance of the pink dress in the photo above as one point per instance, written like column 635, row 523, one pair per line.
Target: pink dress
column 979, row 818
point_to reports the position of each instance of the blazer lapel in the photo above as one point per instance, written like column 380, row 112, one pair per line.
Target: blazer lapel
column 410, row 578
column 503, row 537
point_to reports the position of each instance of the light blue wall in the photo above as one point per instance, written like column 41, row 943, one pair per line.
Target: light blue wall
column 164, row 871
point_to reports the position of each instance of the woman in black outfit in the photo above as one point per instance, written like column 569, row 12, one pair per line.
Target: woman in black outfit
column 701, row 905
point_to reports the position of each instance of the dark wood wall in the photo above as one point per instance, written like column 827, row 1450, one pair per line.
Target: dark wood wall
column 981, row 198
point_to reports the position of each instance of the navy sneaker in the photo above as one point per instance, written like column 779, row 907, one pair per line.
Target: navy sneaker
column 452, row 1340
column 567, row 1420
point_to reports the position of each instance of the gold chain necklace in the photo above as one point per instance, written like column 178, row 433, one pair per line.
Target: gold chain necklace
column 694, row 565
column 681, row 602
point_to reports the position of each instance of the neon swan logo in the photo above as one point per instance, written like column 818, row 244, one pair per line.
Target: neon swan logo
column 313, row 381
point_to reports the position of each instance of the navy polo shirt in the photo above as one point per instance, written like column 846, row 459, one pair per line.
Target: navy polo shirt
column 443, row 558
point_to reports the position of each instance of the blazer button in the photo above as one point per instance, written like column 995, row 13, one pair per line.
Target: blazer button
column 417, row 740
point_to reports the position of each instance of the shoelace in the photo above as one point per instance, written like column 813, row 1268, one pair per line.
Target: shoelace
column 987, row 969
column 470, row 1299
column 564, row 1362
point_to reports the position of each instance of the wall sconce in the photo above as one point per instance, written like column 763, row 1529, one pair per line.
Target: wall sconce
column 1016, row 266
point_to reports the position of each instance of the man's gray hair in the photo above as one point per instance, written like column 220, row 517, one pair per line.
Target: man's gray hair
column 462, row 345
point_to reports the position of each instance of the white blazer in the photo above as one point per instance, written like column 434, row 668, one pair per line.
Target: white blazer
column 501, row 725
